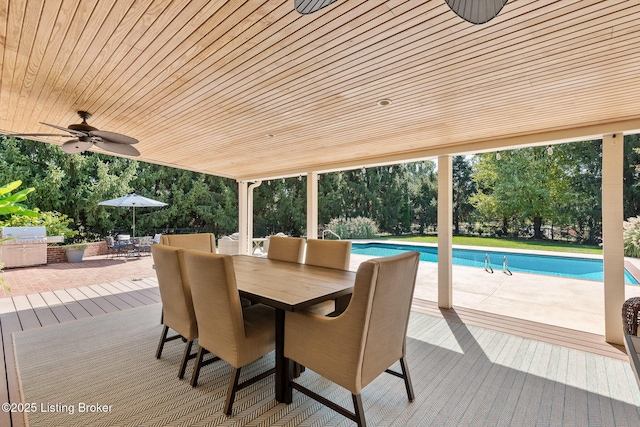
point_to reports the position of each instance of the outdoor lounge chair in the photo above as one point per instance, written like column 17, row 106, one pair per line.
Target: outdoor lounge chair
column 228, row 245
column 355, row 347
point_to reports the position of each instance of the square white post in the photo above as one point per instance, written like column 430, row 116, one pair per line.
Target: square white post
column 612, row 236
column 243, row 217
column 445, row 232
column 312, row 205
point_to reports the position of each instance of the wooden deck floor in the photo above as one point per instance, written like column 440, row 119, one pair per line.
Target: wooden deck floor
column 49, row 308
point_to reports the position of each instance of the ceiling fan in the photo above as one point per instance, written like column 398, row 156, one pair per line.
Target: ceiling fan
column 87, row 136
column 473, row 11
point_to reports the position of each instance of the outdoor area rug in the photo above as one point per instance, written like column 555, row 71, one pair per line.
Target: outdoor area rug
column 102, row 371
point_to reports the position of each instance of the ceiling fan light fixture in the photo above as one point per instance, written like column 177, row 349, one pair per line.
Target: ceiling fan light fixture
column 75, row 146
column 476, row 11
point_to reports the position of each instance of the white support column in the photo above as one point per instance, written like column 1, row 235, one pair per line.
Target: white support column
column 612, row 235
column 312, row 205
column 445, row 231
column 249, row 238
column 243, row 217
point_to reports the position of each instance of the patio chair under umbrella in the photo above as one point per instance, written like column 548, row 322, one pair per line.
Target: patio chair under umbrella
column 133, row 200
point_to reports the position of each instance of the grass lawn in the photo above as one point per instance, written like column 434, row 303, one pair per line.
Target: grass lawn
column 541, row 245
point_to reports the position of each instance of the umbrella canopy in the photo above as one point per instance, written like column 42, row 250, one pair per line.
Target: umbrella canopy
column 135, row 201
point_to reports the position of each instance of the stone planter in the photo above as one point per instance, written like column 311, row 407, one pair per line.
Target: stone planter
column 74, row 255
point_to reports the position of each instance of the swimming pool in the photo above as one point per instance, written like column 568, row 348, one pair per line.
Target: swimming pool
column 552, row 265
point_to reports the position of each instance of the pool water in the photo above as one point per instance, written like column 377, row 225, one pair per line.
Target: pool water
column 551, row 265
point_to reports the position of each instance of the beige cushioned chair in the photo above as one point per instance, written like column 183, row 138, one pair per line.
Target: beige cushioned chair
column 330, row 254
column 237, row 336
column 290, row 249
column 355, row 347
column 205, row 242
column 175, row 293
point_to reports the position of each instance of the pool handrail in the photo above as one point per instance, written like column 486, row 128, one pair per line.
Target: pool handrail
column 487, row 263
column 505, row 266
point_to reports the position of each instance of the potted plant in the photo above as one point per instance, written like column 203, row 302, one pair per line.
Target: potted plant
column 75, row 252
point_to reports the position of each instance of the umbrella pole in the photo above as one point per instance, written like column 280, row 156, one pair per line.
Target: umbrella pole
column 134, row 221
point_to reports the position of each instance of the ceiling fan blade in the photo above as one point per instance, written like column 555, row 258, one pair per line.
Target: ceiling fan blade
column 113, row 137
column 71, row 131
column 74, row 146
column 476, row 11
column 306, row 7
column 38, row 134
column 126, row 149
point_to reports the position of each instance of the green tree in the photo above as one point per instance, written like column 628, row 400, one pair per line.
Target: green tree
column 393, row 213
column 631, row 175
column 463, row 189
column 74, row 184
column 423, row 189
column 581, row 163
column 525, row 184
column 280, row 207
column 195, row 200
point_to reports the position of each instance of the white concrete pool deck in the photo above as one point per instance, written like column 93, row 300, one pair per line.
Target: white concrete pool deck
column 569, row 303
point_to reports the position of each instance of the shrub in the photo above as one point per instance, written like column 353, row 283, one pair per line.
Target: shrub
column 57, row 224
column 631, row 229
column 353, row 228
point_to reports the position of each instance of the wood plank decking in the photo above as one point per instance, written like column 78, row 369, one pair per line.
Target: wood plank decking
column 47, row 308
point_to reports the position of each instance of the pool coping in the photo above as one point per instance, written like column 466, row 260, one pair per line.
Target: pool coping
column 486, row 248
column 629, row 265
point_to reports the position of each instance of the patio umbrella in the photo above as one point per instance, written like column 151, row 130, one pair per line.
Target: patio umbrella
column 133, row 200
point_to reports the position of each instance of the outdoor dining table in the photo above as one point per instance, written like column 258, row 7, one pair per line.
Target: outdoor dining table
column 289, row 286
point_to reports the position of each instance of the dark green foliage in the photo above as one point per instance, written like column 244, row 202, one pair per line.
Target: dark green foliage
column 524, row 191
column 463, row 188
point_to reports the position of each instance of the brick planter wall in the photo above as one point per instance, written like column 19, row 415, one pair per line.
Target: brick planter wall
column 58, row 253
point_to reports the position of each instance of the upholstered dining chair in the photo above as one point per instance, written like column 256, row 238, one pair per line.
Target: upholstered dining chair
column 177, row 305
column 355, row 347
column 330, row 254
column 205, row 242
column 236, row 335
column 290, row 249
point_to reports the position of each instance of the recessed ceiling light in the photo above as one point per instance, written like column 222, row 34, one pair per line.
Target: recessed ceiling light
column 384, row 102
column 270, row 135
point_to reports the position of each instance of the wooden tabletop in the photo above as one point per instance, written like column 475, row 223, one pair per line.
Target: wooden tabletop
column 287, row 285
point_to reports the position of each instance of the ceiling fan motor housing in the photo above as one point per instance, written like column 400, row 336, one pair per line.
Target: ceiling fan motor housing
column 83, row 127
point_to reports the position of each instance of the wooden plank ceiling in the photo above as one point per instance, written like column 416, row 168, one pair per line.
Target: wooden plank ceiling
column 250, row 89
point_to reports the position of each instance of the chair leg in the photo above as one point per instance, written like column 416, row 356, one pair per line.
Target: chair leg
column 163, row 339
column 359, row 410
column 298, row 369
column 231, row 392
column 407, row 379
column 197, row 366
column 185, row 359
